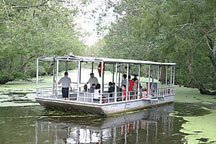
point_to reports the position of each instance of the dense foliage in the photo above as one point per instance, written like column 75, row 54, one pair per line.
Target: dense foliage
column 181, row 31
column 33, row 28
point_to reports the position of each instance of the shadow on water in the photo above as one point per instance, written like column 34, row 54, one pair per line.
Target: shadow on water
column 191, row 109
column 151, row 126
column 33, row 124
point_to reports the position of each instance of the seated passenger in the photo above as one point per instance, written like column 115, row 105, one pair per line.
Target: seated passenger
column 140, row 91
column 111, row 89
column 98, row 95
column 85, row 88
column 97, row 91
column 135, row 78
column 92, row 88
column 144, row 93
column 92, row 79
column 123, row 92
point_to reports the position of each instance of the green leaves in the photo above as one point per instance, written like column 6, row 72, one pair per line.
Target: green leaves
column 33, row 29
column 171, row 31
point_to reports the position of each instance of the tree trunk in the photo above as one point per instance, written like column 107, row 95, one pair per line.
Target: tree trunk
column 212, row 54
column 212, row 50
column 5, row 78
column 211, row 43
column 206, row 91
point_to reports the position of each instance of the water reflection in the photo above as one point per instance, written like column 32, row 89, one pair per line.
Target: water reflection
column 149, row 126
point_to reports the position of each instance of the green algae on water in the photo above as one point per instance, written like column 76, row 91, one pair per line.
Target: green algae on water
column 200, row 129
column 192, row 95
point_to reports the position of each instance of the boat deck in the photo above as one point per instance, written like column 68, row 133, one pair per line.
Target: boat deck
column 105, row 97
column 104, row 105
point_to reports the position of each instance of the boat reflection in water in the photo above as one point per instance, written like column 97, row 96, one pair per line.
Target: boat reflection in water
column 148, row 126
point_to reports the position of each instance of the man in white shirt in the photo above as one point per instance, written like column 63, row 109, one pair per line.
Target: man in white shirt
column 92, row 80
column 65, row 81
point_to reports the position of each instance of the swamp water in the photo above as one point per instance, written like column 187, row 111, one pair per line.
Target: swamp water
column 189, row 120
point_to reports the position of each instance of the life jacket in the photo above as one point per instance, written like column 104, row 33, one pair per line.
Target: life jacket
column 99, row 68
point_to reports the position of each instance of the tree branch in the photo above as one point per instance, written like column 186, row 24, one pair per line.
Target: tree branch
column 184, row 25
column 208, row 44
column 26, row 62
column 6, row 9
column 31, row 6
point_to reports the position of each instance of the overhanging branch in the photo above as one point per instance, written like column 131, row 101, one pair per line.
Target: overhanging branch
column 31, row 6
column 208, row 44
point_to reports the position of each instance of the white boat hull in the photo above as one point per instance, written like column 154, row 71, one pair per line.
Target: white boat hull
column 104, row 108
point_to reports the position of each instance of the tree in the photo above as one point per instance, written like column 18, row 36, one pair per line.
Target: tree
column 175, row 31
column 33, row 29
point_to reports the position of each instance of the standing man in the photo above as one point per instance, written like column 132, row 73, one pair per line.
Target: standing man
column 65, row 81
column 92, row 80
column 124, row 80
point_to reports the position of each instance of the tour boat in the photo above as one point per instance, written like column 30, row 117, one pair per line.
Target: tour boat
column 153, row 84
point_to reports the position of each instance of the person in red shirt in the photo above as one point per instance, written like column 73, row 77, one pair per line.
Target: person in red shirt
column 130, row 84
column 130, row 88
column 123, row 92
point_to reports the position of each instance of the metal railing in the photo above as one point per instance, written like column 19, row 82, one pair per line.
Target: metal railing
column 45, row 92
column 105, row 97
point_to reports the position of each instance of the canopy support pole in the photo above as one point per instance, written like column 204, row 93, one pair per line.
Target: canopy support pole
column 166, row 74
column 138, row 84
column 127, row 84
column 37, row 76
column 57, row 72
column 54, row 78
column 66, row 66
column 171, row 73
column 92, row 67
column 78, row 79
column 102, row 81
column 116, row 74
column 149, row 79
column 113, row 73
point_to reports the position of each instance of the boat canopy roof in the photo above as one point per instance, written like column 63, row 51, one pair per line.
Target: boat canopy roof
column 99, row 59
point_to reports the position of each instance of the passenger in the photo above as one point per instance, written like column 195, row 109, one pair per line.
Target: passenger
column 130, row 84
column 145, row 93
column 123, row 92
column 85, row 88
column 97, row 91
column 124, row 80
column 111, row 89
column 135, row 78
column 140, row 91
column 98, row 87
column 118, row 89
column 92, row 88
column 65, row 81
column 130, row 87
column 92, row 79
column 98, row 95
column 135, row 86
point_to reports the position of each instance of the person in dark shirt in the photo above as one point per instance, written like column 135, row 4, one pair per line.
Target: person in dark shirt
column 111, row 89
